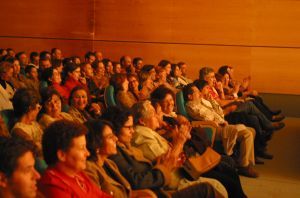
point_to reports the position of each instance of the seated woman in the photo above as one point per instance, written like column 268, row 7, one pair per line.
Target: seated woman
column 101, row 143
column 26, row 108
column 80, row 109
column 52, row 104
column 53, row 78
column 64, row 149
column 175, row 77
column 124, row 97
column 18, row 79
column 139, row 169
column 73, row 77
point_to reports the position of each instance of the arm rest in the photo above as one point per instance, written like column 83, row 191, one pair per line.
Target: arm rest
column 209, row 127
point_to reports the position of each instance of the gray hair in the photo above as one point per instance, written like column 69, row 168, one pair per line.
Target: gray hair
column 141, row 110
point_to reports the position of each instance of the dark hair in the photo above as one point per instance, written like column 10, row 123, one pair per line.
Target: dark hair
column 5, row 66
column 28, row 68
column 204, row 71
column 56, row 63
column 70, row 67
column 161, row 92
column 58, row 136
column 89, row 54
column 187, row 90
column 163, row 63
column 43, row 55
column 33, row 55
column 95, row 64
column 18, row 55
column 94, row 137
column 147, row 68
column 53, row 50
column 11, row 149
column 23, row 100
column 173, row 68
column 117, row 117
column 46, row 74
column 224, row 70
column 11, row 59
column 117, row 80
column 47, row 93
column 105, row 61
column 77, row 88
column 200, row 84
column 136, row 60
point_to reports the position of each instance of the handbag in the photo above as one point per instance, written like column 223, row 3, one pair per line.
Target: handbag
column 198, row 164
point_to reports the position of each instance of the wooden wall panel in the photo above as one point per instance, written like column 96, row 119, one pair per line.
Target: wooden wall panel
column 68, row 47
column 50, row 18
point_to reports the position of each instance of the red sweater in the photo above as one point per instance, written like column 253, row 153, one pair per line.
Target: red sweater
column 56, row 184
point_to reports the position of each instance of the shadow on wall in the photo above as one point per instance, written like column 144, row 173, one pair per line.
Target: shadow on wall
column 289, row 104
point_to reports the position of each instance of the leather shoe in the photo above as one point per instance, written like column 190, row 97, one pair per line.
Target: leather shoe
column 277, row 125
column 265, row 155
column 277, row 118
column 259, row 161
column 248, row 172
column 276, row 112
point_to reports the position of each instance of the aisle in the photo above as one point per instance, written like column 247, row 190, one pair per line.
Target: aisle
column 279, row 177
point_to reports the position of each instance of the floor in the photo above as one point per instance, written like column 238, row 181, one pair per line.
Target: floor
column 279, row 177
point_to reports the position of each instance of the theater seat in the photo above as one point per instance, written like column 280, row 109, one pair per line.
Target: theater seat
column 109, row 96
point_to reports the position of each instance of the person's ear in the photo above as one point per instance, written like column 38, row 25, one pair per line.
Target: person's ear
column 141, row 122
column 3, row 180
column 61, row 155
column 190, row 96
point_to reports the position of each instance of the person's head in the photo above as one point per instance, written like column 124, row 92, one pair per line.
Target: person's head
column 225, row 69
column 207, row 74
column 203, row 87
column 72, row 71
column 18, row 177
column 76, row 60
column 165, row 96
column 99, row 69
column 125, row 62
column 161, row 74
column 52, row 76
column 137, row 63
column 87, row 70
column 175, row 70
column 57, row 64
column 90, row 57
column 183, row 68
column 16, row 65
column 10, row 52
column 108, row 65
column 149, row 69
column 79, row 98
column 117, row 67
column 22, row 57
column 101, row 141
column 32, row 72
column 6, row 70
column 56, row 54
column 51, row 102
column 191, row 92
column 166, row 65
column 26, row 101
column 119, row 82
column 145, row 79
column 145, row 115
column 122, row 120
column 44, row 63
column 98, row 55
column 64, row 144
column 133, row 81
column 34, row 58
column 45, row 55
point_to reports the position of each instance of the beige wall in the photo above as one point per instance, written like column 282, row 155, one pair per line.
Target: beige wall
column 260, row 38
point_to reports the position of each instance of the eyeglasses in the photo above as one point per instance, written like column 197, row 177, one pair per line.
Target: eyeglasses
column 128, row 127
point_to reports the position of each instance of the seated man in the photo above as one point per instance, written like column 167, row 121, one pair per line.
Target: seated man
column 18, row 176
column 200, row 109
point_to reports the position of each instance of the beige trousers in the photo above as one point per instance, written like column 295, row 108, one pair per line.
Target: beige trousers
column 230, row 134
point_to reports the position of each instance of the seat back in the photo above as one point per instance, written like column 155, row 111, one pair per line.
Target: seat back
column 109, row 96
column 8, row 117
column 180, row 103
